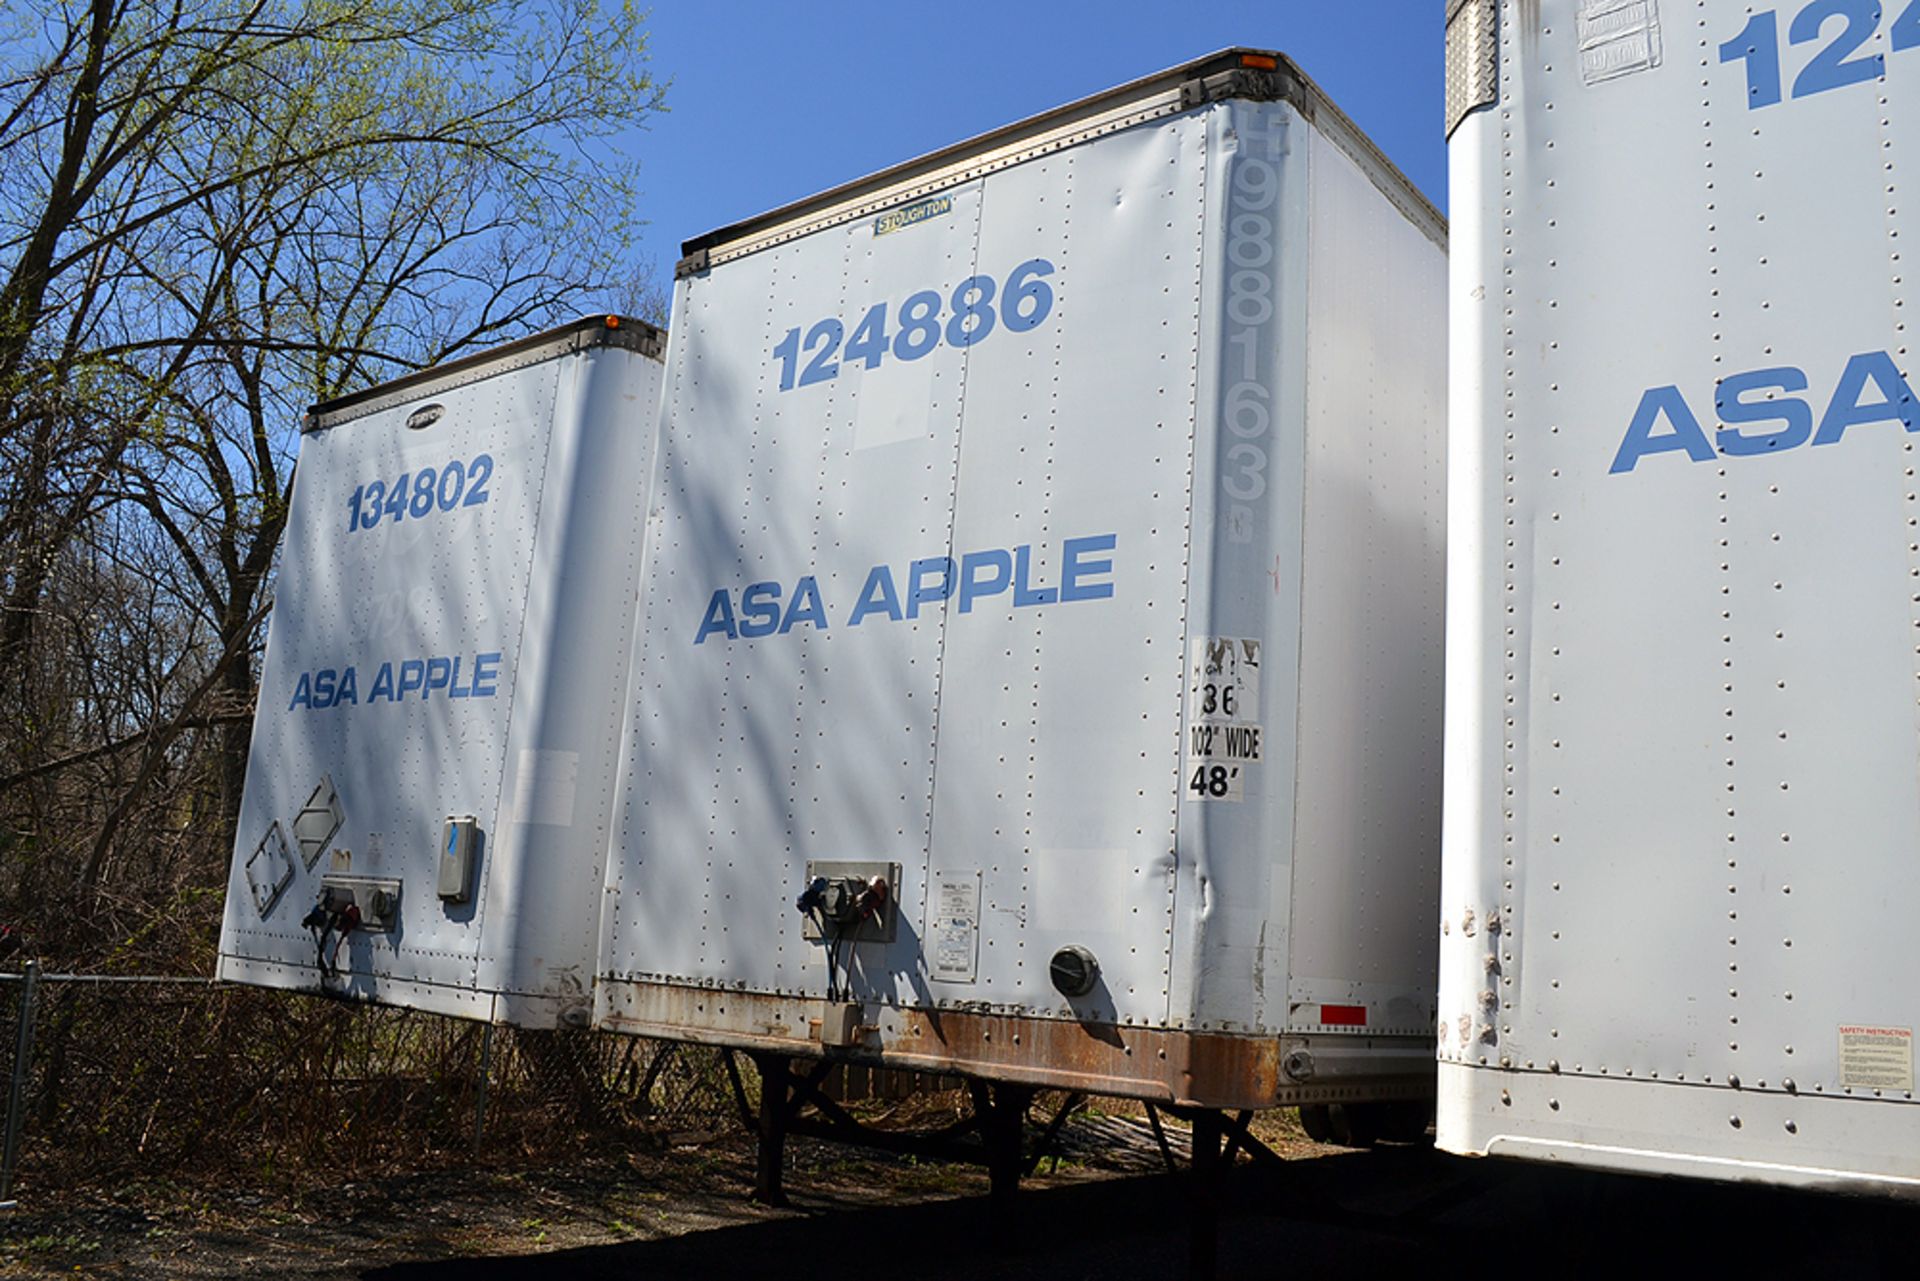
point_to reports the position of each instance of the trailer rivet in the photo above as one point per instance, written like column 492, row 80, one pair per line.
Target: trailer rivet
column 1734, row 1121
column 1734, row 1081
column 1792, row 1128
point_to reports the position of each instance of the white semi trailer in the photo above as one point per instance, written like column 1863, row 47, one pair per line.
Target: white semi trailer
column 1682, row 853
column 428, row 787
column 1038, row 665
column 1005, row 639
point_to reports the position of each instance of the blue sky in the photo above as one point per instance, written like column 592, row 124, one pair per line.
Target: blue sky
column 772, row 100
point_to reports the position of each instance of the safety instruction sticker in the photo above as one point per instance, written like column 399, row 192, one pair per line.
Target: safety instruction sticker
column 1876, row 1058
column 1224, row 729
column 956, row 926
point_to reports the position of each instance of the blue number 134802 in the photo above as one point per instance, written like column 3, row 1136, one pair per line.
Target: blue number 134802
column 1833, row 66
column 1024, row 303
column 421, row 493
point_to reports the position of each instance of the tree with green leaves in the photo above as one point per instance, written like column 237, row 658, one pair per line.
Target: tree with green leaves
column 212, row 214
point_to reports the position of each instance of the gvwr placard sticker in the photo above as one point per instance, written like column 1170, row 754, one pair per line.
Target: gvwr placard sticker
column 1225, row 732
column 1873, row 1057
column 956, row 926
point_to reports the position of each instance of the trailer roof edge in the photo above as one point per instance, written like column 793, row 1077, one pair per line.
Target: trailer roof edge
column 1243, row 73
column 625, row 332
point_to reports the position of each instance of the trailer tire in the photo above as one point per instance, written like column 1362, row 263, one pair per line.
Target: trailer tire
column 1347, row 1125
column 1355, row 1125
column 1407, row 1121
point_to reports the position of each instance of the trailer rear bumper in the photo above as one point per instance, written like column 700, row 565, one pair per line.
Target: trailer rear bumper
column 1168, row 1065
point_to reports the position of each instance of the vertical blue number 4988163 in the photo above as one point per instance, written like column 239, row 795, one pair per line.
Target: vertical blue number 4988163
column 1834, row 65
column 1024, row 303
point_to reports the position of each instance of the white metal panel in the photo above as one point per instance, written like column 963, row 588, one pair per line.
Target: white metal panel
column 1324, row 497
column 1230, row 939
column 543, row 894
column 1474, row 860
column 368, row 601
column 519, row 574
column 1695, row 816
column 1061, row 722
column 871, row 456
column 742, row 747
column 1371, row 580
column 1024, row 757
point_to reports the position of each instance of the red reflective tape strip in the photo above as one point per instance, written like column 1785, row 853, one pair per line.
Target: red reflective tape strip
column 1344, row 1015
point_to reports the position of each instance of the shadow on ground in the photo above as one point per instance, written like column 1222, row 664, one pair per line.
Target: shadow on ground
column 1385, row 1213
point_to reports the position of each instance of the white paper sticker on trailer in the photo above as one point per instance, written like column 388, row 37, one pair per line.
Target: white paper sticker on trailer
column 1617, row 38
column 956, row 926
column 1224, row 727
column 1876, row 1058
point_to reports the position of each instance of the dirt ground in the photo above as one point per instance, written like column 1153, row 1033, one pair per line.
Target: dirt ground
column 390, row 1226
column 1106, row 1209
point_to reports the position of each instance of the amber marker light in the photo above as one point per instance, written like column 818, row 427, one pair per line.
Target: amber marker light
column 613, row 322
column 1260, row 61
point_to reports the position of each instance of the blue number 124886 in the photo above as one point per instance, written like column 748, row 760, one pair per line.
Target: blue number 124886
column 421, row 493
column 1834, row 65
column 970, row 315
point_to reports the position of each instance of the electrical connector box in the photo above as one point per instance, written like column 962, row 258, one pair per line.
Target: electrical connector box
column 377, row 898
column 877, row 925
column 458, row 840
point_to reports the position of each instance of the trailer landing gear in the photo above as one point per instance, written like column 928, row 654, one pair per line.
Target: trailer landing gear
column 994, row 1135
column 1217, row 1141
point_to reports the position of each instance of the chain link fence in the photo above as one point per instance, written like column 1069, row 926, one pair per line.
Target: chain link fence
column 115, row 1078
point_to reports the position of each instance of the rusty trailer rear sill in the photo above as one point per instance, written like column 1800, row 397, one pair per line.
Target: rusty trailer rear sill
column 1162, row 1065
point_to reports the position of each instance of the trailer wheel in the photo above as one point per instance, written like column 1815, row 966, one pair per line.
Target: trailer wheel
column 1349, row 1125
column 1402, row 1122
column 1355, row 1125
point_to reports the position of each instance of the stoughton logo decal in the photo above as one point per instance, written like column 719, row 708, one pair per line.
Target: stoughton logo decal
column 1870, row 389
column 911, row 215
column 757, row 610
column 425, row 417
